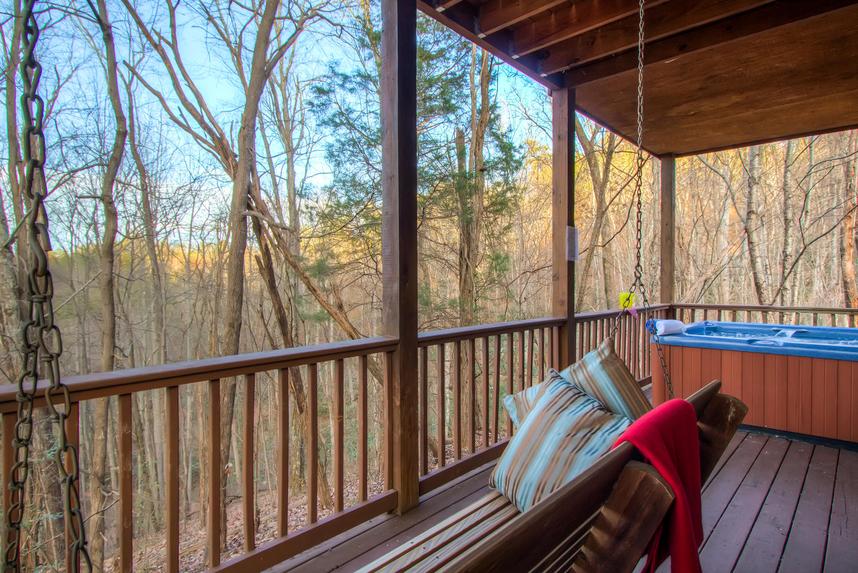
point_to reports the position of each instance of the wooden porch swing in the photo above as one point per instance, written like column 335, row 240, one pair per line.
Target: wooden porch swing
column 602, row 520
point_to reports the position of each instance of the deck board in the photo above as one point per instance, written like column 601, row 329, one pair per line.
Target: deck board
column 805, row 547
column 771, row 504
column 722, row 549
column 762, row 551
column 718, row 495
column 841, row 553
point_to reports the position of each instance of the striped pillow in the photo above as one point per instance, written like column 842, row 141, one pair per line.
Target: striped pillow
column 565, row 432
column 519, row 404
column 604, row 376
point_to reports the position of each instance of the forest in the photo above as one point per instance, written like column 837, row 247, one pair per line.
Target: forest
column 214, row 188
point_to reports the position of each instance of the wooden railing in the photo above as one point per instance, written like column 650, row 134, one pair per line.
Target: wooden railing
column 806, row 316
column 464, row 373
column 630, row 339
column 278, row 373
column 463, row 376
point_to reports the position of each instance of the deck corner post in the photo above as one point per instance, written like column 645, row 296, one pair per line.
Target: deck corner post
column 399, row 238
column 563, row 218
column 667, row 225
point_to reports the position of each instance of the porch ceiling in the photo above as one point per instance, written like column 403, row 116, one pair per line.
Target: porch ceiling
column 719, row 73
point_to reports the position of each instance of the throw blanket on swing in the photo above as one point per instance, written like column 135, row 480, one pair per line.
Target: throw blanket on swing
column 667, row 438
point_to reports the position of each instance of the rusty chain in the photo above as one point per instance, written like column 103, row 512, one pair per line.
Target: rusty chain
column 40, row 337
column 638, row 284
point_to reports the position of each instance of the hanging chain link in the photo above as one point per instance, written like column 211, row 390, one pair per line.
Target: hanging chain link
column 638, row 284
column 40, row 336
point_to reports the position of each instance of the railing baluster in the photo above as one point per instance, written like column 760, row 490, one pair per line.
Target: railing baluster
column 485, row 388
column 457, row 400
column 8, row 421
column 363, row 434
column 833, row 319
column 339, row 458
column 440, row 422
column 472, row 396
column 248, row 483
column 549, row 350
column 496, row 409
column 312, row 440
column 510, row 379
column 283, row 453
column 423, row 377
column 521, row 360
column 540, row 352
column 530, row 343
column 632, row 351
column 388, row 420
column 591, row 336
column 215, row 472
column 171, row 498
column 126, row 488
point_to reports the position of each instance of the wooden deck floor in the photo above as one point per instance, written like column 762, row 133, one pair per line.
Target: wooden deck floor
column 772, row 504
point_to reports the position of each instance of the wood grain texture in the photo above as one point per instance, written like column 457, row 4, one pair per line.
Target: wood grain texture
column 793, row 393
column 399, row 238
column 283, row 452
column 626, row 522
column 213, row 529
column 805, row 547
column 126, row 485
column 249, row 463
column 563, row 104
column 172, row 469
column 311, row 438
column 698, row 102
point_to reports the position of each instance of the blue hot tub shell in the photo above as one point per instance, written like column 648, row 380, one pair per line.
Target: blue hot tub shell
column 834, row 343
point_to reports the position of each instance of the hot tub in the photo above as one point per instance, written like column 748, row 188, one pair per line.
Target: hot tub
column 801, row 379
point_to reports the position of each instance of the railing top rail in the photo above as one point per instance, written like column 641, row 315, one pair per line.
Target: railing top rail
column 118, row 382
column 467, row 332
column 597, row 314
column 766, row 308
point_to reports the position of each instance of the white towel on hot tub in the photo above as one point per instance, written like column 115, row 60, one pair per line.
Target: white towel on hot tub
column 664, row 327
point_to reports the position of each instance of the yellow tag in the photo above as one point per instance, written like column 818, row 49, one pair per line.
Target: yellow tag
column 627, row 300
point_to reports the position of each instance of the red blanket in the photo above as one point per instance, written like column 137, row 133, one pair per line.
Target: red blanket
column 667, row 438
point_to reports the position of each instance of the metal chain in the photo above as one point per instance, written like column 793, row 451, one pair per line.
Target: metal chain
column 41, row 339
column 638, row 284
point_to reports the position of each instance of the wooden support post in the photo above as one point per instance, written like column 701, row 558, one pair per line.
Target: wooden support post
column 668, row 231
column 563, row 218
column 399, row 235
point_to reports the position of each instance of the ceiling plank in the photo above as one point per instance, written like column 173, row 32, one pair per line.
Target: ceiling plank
column 660, row 22
column 496, row 15
column 773, row 15
column 569, row 20
column 794, row 80
column 463, row 19
column 444, row 4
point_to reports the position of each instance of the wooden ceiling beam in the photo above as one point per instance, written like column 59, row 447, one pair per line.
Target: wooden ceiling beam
column 497, row 15
column 569, row 20
column 772, row 15
column 463, row 19
column 660, row 22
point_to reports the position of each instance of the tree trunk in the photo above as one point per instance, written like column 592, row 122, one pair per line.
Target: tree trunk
column 847, row 228
column 753, row 224
column 100, row 476
column 788, row 215
column 471, row 185
column 157, row 296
